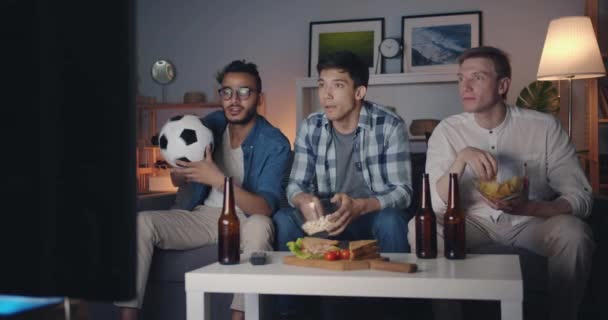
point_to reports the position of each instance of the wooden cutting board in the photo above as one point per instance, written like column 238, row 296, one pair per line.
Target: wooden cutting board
column 344, row 265
column 340, row 265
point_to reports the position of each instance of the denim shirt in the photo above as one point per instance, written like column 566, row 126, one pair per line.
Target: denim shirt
column 265, row 154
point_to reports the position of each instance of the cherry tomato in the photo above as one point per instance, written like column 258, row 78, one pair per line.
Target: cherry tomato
column 344, row 254
column 331, row 255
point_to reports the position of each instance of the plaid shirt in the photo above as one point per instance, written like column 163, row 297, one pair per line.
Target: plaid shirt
column 381, row 153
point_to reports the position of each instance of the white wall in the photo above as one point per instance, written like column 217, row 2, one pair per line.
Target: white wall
column 201, row 36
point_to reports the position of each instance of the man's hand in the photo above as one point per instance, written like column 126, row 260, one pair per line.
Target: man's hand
column 204, row 171
column 482, row 162
column 349, row 209
column 178, row 179
column 309, row 206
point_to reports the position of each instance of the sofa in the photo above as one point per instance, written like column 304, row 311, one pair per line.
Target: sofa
column 165, row 293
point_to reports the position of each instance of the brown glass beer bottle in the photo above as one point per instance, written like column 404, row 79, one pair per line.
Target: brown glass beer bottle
column 229, row 233
column 453, row 224
column 426, row 224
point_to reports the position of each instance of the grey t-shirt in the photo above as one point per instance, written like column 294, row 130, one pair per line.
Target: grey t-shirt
column 349, row 179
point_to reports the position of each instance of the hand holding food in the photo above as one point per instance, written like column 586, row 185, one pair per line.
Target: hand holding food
column 311, row 209
column 323, row 222
column 316, row 226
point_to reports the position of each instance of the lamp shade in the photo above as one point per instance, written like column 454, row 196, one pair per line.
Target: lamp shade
column 570, row 51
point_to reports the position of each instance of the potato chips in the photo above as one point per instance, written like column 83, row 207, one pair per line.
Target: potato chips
column 494, row 190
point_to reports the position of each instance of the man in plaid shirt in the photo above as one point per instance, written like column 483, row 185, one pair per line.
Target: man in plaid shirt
column 353, row 156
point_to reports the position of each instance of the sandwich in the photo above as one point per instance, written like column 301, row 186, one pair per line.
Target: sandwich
column 318, row 246
column 312, row 248
column 364, row 249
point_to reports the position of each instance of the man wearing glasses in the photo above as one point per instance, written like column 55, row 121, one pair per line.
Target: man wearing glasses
column 248, row 148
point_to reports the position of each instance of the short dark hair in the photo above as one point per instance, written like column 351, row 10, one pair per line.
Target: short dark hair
column 244, row 67
column 499, row 58
column 502, row 65
column 349, row 62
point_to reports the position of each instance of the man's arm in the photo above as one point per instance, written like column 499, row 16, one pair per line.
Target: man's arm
column 303, row 168
column 308, row 204
column 537, row 208
column 565, row 177
column 251, row 203
column 264, row 203
column 265, row 200
column 350, row 209
column 398, row 171
column 482, row 162
column 564, row 172
column 177, row 180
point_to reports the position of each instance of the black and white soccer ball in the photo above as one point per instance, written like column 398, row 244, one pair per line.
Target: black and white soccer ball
column 185, row 138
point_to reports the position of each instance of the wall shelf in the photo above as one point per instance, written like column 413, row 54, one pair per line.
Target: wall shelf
column 391, row 78
column 164, row 106
column 147, row 154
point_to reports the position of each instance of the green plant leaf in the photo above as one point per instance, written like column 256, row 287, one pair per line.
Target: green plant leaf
column 540, row 96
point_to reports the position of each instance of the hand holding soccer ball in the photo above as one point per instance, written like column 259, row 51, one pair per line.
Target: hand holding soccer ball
column 184, row 138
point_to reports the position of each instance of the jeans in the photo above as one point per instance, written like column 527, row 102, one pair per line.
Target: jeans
column 388, row 226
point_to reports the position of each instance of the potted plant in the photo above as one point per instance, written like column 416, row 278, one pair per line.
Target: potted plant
column 540, row 96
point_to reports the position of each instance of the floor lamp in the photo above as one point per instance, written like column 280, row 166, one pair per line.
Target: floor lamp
column 570, row 52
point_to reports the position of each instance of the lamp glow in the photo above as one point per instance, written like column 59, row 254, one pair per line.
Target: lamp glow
column 570, row 52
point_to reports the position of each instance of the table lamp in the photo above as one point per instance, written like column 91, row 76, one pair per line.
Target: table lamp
column 570, row 52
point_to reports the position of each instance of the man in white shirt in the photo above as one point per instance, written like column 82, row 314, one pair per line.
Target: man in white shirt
column 494, row 140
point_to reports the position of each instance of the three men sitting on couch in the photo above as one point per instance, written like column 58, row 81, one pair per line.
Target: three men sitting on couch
column 355, row 154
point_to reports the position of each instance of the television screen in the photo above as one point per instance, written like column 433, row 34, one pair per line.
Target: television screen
column 68, row 217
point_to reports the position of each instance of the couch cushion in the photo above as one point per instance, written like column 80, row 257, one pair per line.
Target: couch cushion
column 171, row 265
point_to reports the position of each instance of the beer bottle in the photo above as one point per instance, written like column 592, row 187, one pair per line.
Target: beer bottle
column 453, row 224
column 426, row 224
column 229, row 234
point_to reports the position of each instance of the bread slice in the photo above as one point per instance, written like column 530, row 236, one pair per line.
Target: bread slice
column 361, row 244
column 364, row 249
column 308, row 242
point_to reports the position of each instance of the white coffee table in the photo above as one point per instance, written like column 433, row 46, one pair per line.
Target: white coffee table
column 479, row 277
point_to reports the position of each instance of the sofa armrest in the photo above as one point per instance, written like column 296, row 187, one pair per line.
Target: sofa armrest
column 598, row 219
column 155, row 201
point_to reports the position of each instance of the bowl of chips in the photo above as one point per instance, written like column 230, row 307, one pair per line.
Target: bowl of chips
column 506, row 190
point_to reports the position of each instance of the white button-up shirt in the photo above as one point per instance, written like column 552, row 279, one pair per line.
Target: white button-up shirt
column 525, row 137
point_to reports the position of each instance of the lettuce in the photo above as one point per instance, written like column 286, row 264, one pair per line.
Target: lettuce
column 296, row 249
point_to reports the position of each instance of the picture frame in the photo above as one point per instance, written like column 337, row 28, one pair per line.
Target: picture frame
column 422, row 35
column 361, row 36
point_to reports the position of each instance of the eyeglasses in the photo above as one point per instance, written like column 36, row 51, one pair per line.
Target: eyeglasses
column 243, row 92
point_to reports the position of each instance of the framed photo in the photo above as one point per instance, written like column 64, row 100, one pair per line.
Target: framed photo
column 432, row 43
column 362, row 37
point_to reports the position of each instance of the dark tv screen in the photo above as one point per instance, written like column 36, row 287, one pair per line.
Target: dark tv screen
column 67, row 226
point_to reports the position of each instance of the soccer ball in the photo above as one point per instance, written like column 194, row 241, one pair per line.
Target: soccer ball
column 185, row 138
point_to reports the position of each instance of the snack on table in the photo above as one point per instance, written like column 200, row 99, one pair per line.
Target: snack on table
column 500, row 191
column 364, row 249
column 316, row 248
column 312, row 248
